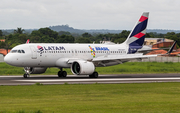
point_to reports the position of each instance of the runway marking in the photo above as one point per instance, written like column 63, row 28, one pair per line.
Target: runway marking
column 114, row 79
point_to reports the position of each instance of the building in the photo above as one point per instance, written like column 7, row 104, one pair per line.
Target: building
column 2, row 40
column 152, row 41
column 4, row 51
column 159, row 42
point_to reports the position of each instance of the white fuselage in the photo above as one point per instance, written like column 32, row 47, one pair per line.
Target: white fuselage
column 57, row 54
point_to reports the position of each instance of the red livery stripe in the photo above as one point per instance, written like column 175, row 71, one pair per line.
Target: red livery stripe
column 142, row 18
column 39, row 47
column 139, row 35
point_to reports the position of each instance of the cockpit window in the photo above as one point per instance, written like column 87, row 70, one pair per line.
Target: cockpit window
column 22, row 51
column 17, row 51
column 14, row 51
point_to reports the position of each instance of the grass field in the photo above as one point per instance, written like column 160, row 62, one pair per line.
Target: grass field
column 91, row 98
column 94, row 98
column 126, row 68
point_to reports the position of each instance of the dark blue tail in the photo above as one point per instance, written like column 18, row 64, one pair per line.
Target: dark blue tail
column 136, row 38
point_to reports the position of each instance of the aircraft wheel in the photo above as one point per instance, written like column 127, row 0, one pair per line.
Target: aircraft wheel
column 59, row 73
column 25, row 75
column 64, row 74
column 90, row 76
column 94, row 75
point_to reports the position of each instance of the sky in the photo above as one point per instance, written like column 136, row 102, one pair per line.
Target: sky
column 89, row 14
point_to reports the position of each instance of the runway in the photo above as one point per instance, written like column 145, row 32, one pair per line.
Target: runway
column 103, row 79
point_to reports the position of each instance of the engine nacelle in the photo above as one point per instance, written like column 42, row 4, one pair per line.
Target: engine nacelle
column 35, row 70
column 82, row 67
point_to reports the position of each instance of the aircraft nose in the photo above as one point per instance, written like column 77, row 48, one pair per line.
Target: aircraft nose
column 7, row 59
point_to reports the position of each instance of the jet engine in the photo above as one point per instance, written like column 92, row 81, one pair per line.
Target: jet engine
column 82, row 67
column 34, row 70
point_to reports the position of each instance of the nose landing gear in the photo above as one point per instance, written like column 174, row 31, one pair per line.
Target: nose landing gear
column 27, row 72
column 26, row 75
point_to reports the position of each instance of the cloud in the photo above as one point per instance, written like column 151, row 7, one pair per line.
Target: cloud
column 94, row 14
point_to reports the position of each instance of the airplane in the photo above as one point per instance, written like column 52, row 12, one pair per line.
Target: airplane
column 81, row 58
column 169, row 52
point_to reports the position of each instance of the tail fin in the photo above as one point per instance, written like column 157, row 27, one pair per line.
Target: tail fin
column 172, row 47
column 136, row 38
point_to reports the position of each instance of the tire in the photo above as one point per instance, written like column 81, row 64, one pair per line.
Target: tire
column 59, row 73
column 64, row 74
column 25, row 75
column 95, row 75
column 90, row 76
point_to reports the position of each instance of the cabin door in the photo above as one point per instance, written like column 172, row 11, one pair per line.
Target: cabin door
column 34, row 52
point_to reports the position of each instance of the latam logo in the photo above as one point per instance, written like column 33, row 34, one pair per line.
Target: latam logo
column 40, row 48
column 50, row 48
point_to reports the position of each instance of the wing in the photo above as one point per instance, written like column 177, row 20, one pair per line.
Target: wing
column 118, row 59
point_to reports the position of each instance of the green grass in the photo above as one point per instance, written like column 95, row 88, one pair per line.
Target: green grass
column 91, row 98
column 126, row 68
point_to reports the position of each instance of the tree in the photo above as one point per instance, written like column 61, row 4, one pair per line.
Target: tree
column 86, row 35
column 1, row 33
column 47, row 39
column 83, row 40
column 35, row 39
column 124, row 34
column 19, row 31
column 48, row 32
column 65, row 39
column 63, row 33
column 8, row 42
column 2, row 44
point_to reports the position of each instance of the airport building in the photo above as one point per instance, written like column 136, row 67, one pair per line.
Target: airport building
column 158, row 42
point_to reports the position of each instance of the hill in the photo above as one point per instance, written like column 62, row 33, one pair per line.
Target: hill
column 81, row 31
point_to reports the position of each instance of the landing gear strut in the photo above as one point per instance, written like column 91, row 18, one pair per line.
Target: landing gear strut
column 94, row 75
column 62, row 73
column 27, row 72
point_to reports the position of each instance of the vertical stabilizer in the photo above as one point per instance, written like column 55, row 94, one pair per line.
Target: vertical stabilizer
column 136, row 38
column 172, row 47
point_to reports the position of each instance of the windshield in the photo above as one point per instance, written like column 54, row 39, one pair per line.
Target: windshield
column 17, row 51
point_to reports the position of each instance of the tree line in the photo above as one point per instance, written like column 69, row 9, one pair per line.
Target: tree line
column 46, row 35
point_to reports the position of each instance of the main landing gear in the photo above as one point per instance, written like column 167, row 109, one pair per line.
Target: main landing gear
column 94, row 75
column 62, row 73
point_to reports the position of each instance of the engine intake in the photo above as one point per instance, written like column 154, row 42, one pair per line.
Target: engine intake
column 82, row 67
